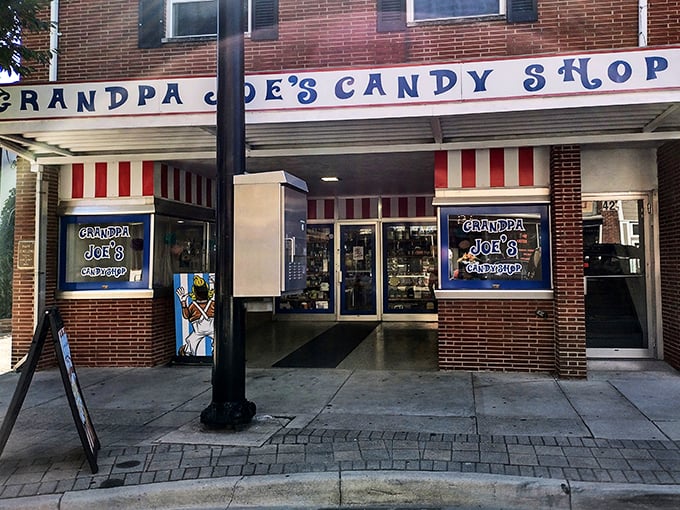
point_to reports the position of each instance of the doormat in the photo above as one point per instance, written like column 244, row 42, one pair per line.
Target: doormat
column 329, row 348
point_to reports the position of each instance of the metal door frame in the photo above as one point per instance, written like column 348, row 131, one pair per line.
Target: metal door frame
column 377, row 280
column 652, row 287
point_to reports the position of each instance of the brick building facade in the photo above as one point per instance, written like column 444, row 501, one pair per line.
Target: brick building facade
column 600, row 150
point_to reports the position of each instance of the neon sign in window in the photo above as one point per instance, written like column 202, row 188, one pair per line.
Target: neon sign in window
column 495, row 247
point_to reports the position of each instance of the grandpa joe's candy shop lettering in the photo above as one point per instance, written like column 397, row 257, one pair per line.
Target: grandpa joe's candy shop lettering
column 108, row 250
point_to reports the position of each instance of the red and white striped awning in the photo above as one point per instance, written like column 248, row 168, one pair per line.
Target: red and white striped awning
column 407, row 207
column 364, row 208
column 492, row 168
column 122, row 179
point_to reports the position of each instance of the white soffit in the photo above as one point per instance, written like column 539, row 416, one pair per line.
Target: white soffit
column 636, row 123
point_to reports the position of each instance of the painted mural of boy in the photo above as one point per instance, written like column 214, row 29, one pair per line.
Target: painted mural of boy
column 200, row 313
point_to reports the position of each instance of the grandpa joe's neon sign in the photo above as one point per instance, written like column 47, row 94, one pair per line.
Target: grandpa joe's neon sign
column 626, row 71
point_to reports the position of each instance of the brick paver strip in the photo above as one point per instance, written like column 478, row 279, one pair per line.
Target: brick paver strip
column 309, row 450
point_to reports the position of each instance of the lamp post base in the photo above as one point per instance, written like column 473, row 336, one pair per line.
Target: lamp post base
column 229, row 415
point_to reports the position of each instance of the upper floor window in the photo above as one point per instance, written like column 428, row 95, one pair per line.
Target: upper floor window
column 192, row 18
column 425, row 10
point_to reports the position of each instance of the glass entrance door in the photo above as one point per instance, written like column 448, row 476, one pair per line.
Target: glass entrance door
column 616, row 301
column 358, row 270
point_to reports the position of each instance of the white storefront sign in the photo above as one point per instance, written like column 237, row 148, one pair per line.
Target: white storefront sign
column 436, row 84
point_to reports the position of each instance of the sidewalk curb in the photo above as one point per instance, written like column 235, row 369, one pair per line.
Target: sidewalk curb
column 616, row 496
column 46, row 502
column 459, row 489
column 352, row 488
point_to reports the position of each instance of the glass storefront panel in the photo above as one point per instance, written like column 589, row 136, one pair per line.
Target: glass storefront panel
column 410, row 267
column 614, row 268
column 357, row 264
column 405, row 282
column 181, row 246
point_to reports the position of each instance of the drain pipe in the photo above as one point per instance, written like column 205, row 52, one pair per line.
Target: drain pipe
column 40, row 229
column 54, row 38
column 39, row 244
column 642, row 23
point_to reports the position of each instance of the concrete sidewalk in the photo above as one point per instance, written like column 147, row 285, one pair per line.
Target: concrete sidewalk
column 336, row 438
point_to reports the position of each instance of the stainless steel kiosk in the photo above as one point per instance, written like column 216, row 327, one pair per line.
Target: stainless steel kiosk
column 270, row 234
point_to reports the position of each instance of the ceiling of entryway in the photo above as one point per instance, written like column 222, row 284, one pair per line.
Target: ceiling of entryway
column 377, row 156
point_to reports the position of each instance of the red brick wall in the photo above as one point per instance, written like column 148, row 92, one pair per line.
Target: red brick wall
column 563, row 25
column 317, row 34
column 501, row 335
column 662, row 22
column 567, row 260
column 120, row 332
column 23, row 280
column 668, row 158
column 611, row 228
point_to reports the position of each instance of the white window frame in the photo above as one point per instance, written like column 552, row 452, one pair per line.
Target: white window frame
column 171, row 21
column 410, row 13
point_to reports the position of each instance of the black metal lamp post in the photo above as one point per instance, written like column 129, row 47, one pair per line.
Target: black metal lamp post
column 229, row 407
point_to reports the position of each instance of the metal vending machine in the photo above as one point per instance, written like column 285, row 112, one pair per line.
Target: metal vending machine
column 270, row 234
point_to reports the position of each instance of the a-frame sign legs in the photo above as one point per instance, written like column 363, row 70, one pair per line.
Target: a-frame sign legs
column 51, row 321
column 24, row 380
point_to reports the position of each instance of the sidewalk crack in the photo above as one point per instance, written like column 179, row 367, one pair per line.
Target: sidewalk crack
column 352, row 372
column 566, row 488
column 232, row 495
column 617, row 390
column 573, row 407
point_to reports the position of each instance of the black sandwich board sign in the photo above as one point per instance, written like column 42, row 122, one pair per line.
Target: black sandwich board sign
column 51, row 322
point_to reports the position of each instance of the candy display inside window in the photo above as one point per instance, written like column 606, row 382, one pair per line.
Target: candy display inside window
column 495, row 247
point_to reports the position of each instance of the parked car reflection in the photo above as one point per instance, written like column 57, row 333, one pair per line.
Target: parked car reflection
column 603, row 259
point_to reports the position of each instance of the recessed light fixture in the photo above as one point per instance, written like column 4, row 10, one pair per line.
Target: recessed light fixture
column 330, row 178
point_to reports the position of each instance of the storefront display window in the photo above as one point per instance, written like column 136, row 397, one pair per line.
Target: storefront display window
column 181, row 246
column 410, row 267
column 318, row 294
column 105, row 252
column 495, row 247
